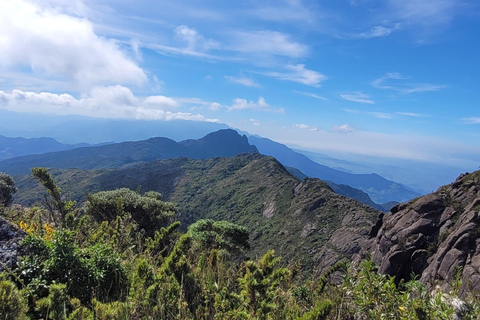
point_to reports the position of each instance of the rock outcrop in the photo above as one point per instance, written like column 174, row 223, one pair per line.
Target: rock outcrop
column 10, row 238
column 436, row 237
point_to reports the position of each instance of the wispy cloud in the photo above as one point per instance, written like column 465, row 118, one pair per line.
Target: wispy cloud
column 412, row 114
column 379, row 31
column 475, row 120
column 247, row 82
column 357, row 97
column 268, row 43
column 255, row 122
column 283, row 11
column 381, row 115
column 312, row 95
column 200, row 103
column 397, row 82
column 102, row 102
column 195, row 45
column 425, row 12
column 298, row 73
column 351, row 111
column 303, row 126
column 344, row 128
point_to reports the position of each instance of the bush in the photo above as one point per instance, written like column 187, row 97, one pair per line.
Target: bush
column 7, row 189
column 12, row 304
column 148, row 211
column 95, row 270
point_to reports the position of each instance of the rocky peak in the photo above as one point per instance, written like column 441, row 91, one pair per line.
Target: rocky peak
column 436, row 236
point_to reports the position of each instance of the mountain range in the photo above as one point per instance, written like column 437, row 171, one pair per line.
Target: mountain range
column 433, row 236
column 221, row 143
column 378, row 188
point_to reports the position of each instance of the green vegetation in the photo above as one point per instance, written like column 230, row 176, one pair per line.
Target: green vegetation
column 250, row 190
column 122, row 257
column 7, row 189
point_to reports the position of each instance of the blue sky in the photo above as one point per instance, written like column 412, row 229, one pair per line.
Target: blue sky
column 392, row 78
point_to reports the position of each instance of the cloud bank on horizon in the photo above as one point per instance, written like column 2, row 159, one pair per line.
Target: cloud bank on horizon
column 391, row 78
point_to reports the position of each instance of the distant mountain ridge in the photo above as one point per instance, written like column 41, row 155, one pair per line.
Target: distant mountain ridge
column 222, row 143
column 16, row 147
column 378, row 188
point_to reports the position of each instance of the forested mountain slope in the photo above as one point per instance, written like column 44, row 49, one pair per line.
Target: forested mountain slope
column 297, row 219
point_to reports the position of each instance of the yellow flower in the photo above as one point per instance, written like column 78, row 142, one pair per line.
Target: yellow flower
column 48, row 231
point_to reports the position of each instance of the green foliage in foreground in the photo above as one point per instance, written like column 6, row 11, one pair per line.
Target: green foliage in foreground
column 7, row 189
column 89, row 268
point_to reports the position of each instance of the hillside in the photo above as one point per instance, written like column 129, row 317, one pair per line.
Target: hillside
column 222, row 143
column 297, row 219
column 435, row 236
column 378, row 188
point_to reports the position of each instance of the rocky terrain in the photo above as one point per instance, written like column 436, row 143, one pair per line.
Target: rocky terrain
column 436, row 236
column 10, row 238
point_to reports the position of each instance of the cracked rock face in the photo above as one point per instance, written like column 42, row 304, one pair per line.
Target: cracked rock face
column 436, row 237
column 10, row 237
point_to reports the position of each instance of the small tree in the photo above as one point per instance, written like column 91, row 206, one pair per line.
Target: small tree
column 148, row 211
column 7, row 189
column 55, row 203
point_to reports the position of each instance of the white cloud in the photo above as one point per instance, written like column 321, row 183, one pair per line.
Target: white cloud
column 357, row 97
column 102, row 102
column 194, row 40
column 59, row 45
column 381, row 115
column 412, row 114
column 351, row 111
column 247, row 82
column 472, row 120
column 161, row 102
column 344, row 128
column 312, row 95
column 425, row 12
column 422, row 87
column 255, row 122
column 241, row 104
column 301, row 126
column 268, row 43
column 298, row 73
column 380, row 82
column 214, row 106
column 379, row 31
column 400, row 85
